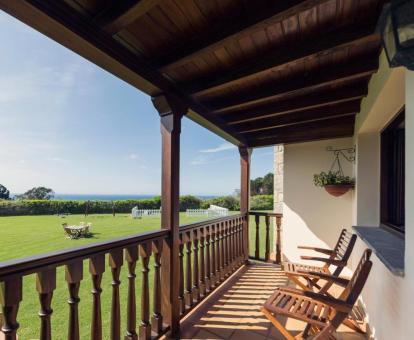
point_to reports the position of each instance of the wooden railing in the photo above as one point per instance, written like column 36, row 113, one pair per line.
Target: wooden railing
column 132, row 249
column 209, row 252
column 258, row 228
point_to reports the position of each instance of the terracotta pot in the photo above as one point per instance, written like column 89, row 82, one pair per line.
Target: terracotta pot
column 338, row 189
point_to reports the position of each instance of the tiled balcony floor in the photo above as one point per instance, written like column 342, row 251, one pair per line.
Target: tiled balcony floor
column 233, row 311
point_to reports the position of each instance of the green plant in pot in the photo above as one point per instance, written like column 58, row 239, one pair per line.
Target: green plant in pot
column 334, row 182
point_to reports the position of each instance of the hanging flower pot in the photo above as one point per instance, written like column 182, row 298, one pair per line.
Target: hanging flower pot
column 334, row 181
column 338, row 189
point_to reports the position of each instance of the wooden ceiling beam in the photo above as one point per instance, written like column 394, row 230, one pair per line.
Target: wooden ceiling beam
column 328, row 43
column 120, row 16
column 351, row 71
column 255, row 128
column 338, row 95
column 62, row 23
column 327, row 129
column 236, row 30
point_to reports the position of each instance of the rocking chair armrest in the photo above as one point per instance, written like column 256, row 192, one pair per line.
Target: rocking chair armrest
column 338, row 263
column 319, row 250
column 328, row 277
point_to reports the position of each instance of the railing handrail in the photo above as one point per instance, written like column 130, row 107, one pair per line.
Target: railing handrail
column 36, row 263
column 264, row 213
column 194, row 225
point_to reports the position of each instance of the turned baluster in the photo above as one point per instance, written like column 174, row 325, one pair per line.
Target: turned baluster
column 181, row 288
column 10, row 298
column 232, row 251
column 208, row 260
column 213, row 277
column 278, row 239
column 257, row 252
column 218, row 253
column 96, row 269
column 131, row 257
column 156, row 321
column 196, row 278
column 115, row 262
column 45, row 285
column 74, row 275
column 202, row 263
column 188, row 290
column 145, row 327
column 225, row 249
column 229, row 253
column 267, row 251
column 222, row 252
column 240, row 239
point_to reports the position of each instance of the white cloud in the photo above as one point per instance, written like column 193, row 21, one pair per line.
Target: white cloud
column 132, row 156
column 55, row 159
column 221, row 147
column 199, row 160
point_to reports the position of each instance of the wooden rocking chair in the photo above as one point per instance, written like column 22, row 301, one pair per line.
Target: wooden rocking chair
column 323, row 314
column 338, row 257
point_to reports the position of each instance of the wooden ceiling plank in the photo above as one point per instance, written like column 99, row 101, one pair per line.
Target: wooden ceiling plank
column 317, row 130
column 329, row 43
column 256, row 127
column 325, row 77
column 342, row 95
column 114, row 22
column 239, row 30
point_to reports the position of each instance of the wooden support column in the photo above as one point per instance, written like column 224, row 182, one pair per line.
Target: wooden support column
column 245, row 154
column 171, row 111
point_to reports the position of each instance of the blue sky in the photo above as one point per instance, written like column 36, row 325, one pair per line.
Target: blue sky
column 67, row 124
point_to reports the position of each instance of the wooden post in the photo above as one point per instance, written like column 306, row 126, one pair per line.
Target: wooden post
column 171, row 111
column 245, row 154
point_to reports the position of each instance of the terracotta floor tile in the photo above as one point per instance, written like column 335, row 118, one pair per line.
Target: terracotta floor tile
column 234, row 312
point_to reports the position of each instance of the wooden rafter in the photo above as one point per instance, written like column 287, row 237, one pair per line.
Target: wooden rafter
column 116, row 18
column 320, row 113
column 327, row 77
column 318, row 130
column 330, row 43
column 315, row 100
column 280, row 11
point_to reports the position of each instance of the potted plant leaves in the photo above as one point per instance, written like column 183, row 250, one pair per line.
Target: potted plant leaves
column 334, row 182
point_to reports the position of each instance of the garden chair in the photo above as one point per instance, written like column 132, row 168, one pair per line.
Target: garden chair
column 322, row 314
column 337, row 257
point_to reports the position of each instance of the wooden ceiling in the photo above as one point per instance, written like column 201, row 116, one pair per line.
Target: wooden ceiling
column 257, row 72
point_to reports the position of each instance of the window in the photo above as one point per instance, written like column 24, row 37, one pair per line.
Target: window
column 393, row 174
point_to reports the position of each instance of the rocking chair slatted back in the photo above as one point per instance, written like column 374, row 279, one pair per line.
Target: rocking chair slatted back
column 352, row 291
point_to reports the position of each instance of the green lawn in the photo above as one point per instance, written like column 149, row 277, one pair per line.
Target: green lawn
column 29, row 235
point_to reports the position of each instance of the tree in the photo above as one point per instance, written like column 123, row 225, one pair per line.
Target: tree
column 268, row 184
column 38, row 193
column 256, row 186
column 4, row 193
column 262, row 185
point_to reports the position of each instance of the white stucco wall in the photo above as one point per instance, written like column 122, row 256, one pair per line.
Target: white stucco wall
column 313, row 217
column 310, row 214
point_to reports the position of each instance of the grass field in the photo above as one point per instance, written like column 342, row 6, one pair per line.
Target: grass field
column 29, row 235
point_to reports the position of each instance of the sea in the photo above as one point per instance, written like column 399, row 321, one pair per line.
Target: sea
column 101, row 197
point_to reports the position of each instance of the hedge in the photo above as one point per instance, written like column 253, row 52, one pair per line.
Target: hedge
column 261, row 202
column 40, row 207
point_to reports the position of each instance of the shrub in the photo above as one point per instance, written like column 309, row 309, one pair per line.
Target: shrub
column 261, row 202
column 229, row 202
column 189, row 202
